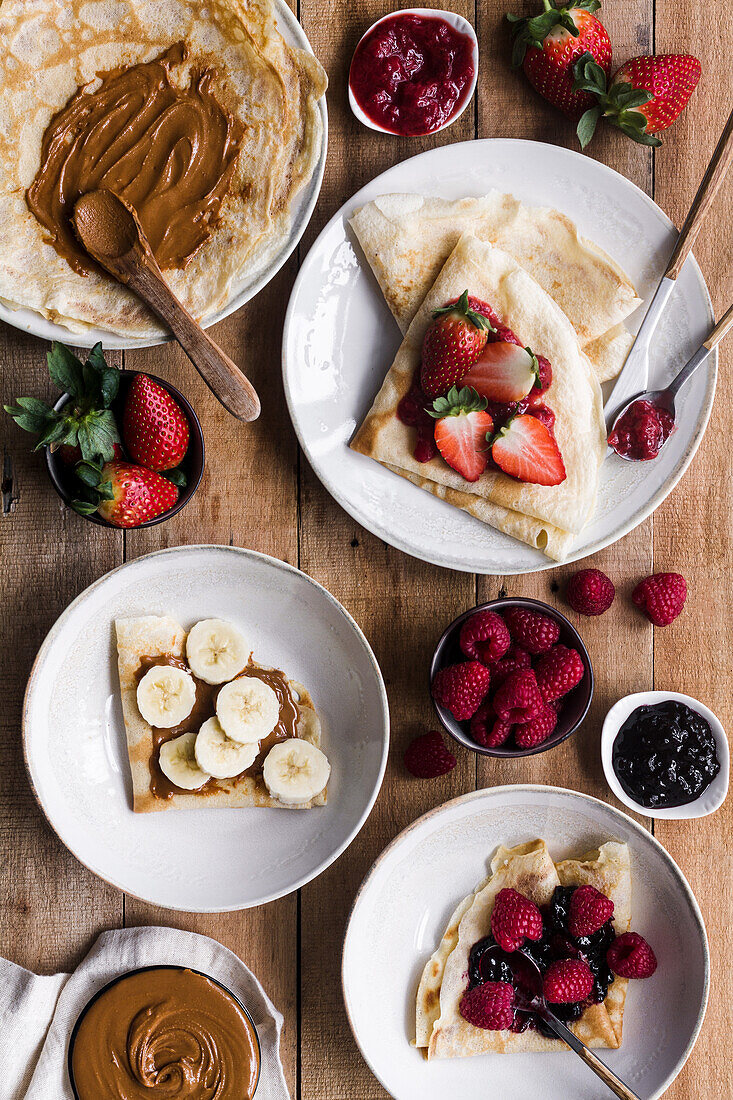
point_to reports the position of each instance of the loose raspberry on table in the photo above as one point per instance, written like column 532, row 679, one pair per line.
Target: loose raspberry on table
column 529, row 734
column 485, row 636
column 630, row 956
column 489, row 1006
column 514, row 659
column 461, row 688
column 518, row 699
column 487, row 729
column 590, row 592
column 514, row 919
column 427, row 756
column 661, row 597
column 567, row 981
column 535, row 632
column 559, row 672
column 589, row 911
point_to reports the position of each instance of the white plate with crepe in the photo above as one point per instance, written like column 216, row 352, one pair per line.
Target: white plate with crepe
column 340, row 339
column 404, row 906
column 203, row 859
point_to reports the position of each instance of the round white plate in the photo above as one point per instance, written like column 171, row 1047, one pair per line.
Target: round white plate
column 340, row 340
column 402, row 911
column 27, row 320
column 206, row 860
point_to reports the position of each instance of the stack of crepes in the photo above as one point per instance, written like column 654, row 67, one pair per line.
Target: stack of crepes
column 562, row 296
column 441, row 1030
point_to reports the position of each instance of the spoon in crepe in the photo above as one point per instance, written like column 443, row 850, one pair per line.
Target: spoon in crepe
column 529, row 997
column 110, row 231
column 621, row 435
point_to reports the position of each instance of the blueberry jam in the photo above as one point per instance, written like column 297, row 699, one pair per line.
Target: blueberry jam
column 556, row 943
column 665, row 755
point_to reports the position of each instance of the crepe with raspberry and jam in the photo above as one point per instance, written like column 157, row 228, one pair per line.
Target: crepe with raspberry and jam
column 548, row 517
column 443, row 1032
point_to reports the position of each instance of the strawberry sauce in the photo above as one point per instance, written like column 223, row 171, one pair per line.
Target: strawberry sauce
column 642, row 431
column 412, row 73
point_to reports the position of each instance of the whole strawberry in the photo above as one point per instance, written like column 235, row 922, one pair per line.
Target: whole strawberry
column 661, row 597
column 154, row 427
column 461, row 688
column 514, row 918
column 452, row 344
column 427, row 756
column 590, row 592
column 125, row 495
column 547, row 45
column 646, row 95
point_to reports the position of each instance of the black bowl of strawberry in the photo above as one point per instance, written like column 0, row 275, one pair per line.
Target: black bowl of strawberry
column 512, row 677
column 123, row 448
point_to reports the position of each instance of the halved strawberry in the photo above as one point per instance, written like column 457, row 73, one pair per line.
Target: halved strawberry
column 525, row 449
column 461, row 428
column 503, row 372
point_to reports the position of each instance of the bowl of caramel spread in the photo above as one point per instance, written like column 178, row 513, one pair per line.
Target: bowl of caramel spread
column 164, row 1031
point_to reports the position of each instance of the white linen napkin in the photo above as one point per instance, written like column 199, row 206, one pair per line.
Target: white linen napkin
column 37, row 1014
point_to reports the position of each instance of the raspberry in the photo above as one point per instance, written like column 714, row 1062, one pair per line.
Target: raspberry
column 590, row 592
column 567, row 981
column 518, row 699
column 661, row 597
column 559, row 672
column 537, row 730
column 489, row 1006
column 513, row 919
column 487, row 729
column 630, row 956
column 589, row 911
column 485, row 636
column 427, row 756
column 514, row 658
column 461, row 688
column 536, row 633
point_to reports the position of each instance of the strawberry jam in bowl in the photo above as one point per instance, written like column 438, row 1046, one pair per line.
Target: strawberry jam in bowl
column 642, row 431
column 414, row 72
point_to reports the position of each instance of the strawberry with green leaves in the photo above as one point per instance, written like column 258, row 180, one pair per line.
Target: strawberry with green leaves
column 526, row 449
column 547, row 45
column 123, row 493
column 461, row 427
column 646, row 95
column 453, row 342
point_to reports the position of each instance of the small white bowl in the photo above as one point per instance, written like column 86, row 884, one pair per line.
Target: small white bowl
column 458, row 23
column 710, row 800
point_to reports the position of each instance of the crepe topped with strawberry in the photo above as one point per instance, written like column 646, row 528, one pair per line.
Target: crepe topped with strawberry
column 491, row 405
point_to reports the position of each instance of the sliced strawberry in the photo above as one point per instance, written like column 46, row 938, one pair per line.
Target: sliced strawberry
column 462, row 425
column 526, row 449
column 503, row 372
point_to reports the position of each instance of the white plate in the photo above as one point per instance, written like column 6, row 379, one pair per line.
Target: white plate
column 404, row 905
column 207, row 860
column 340, row 339
column 27, row 320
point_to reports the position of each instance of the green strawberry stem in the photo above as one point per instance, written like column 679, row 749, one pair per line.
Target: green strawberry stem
column 464, row 310
column 534, row 31
column 618, row 103
column 455, row 402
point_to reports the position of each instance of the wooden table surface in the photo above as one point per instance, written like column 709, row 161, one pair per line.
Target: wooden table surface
column 260, row 493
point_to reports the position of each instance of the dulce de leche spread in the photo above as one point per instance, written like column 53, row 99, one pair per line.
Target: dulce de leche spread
column 165, row 1032
column 169, row 151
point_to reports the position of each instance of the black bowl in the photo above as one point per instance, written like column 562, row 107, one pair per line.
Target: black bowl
column 575, row 703
column 65, row 484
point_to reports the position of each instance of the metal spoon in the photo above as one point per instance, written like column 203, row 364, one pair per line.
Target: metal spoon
column 529, row 997
column 664, row 399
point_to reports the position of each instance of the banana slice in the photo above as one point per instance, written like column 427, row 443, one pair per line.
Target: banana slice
column 218, row 755
column 165, row 696
column 178, row 763
column 295, row 771
column 248, row 709
column 216, row 651
column 309, row 724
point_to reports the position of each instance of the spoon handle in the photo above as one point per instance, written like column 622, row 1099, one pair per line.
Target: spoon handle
column 716, row 335
column 221, row 375
column 706, row 192
column 721, row 329
column 609, row 1078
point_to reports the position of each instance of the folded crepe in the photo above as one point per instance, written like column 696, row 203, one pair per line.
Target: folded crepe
column 407, row 239
column 546, row 517
column 528, row 868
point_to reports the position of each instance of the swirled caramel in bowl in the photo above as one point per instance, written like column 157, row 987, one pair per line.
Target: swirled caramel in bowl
column 164, row 1032
column 168, row 150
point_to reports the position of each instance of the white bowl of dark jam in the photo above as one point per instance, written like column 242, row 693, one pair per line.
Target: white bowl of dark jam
column 659, row 751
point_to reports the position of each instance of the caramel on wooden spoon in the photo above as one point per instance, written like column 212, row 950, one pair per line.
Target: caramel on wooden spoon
column 109, row 229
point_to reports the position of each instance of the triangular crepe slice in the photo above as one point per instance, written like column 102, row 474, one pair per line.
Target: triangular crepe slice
column 574, row 396
column 407, row 239
column 161, row 636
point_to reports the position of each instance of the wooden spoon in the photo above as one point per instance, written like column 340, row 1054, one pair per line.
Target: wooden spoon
column 110, row 231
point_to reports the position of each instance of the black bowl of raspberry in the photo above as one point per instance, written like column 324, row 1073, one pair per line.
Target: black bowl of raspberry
column 571, row 707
